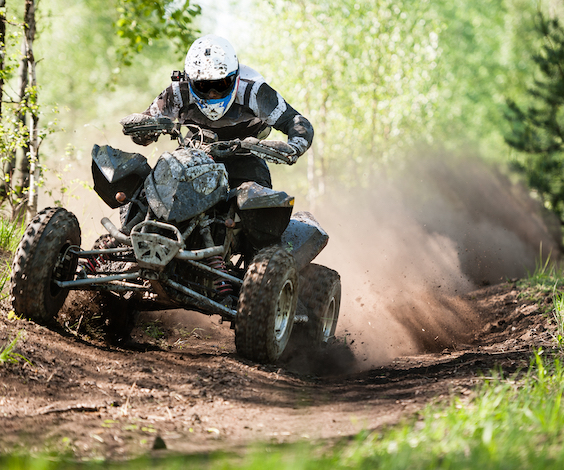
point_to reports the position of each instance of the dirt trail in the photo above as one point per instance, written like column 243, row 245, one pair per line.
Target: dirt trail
column 189, row 388
column 415, row 327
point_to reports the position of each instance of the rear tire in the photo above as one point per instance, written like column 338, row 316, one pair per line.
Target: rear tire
column 320, row 292
column 39, row 261
column 267, row 306
column 116, row 311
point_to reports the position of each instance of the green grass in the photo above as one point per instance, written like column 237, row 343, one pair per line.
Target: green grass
column 7, row 354
column 510, row 423
column 10, row 235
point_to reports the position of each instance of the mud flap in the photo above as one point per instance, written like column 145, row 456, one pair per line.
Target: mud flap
column 305, row 238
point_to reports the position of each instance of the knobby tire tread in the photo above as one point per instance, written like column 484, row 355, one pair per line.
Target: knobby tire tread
column 318, row 282
column 34, row 261
column 257, row 299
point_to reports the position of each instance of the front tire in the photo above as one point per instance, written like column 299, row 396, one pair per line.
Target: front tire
column 267, row 306
column 40, row 259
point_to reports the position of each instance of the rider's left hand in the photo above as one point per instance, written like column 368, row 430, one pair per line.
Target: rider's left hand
column 282, row 148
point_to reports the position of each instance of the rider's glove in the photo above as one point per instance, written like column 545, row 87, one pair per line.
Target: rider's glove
column 224, row 149
column 282, row 148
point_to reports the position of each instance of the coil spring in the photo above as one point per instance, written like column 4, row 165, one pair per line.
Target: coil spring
column 221, row 285
column 92, row 264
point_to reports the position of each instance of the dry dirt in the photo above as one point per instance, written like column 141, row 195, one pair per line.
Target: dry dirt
column 181, row 385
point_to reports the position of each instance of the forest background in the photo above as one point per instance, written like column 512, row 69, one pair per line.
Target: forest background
column 386, row 84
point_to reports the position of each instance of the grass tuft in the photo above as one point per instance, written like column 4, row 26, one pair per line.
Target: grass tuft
column 10, row 235
column 7, row 354
column 509, row 423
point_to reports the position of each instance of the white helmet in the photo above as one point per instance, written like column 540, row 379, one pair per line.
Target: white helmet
column 212, row 69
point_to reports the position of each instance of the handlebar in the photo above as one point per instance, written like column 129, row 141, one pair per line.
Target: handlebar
column 142, row 126
column 236, row 147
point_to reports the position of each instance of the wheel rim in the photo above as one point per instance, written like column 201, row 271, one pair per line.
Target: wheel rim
column 328, row 319
column 283, row 309
column 63, row 270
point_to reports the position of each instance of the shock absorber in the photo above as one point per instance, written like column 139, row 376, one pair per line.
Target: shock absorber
column 221, row 285
column 91, row 265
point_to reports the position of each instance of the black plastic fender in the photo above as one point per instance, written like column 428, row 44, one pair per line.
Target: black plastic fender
column 304, row 238
column 116, row 171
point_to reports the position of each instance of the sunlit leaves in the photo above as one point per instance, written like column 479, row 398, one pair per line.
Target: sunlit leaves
column 360, row 71
column 142, row 21
column 376, row 78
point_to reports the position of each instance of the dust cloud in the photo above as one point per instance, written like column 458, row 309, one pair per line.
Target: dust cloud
column 407, row 249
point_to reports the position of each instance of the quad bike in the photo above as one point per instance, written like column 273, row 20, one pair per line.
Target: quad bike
column 186, row 241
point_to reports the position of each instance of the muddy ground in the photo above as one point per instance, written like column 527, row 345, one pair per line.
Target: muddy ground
column 180, row 385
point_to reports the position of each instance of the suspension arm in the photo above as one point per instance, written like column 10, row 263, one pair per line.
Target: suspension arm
column 222, row 310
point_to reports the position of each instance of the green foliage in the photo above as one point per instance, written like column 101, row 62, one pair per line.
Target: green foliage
column 7, row 354
column 87, row 46
column 536, row 129
column 558, row 311
column 80, row 48
column 361, row 74
column 545, row 275
column 508, row 423
column 10, row 235
column 153, row 329
column 545, row 286
column 377, row 79
column 140, row 22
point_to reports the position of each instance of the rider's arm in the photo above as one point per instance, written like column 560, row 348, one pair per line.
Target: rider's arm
column 168, row 103
column 277, row 113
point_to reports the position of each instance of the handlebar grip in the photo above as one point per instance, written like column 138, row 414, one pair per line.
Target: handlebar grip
column 266, row 153
column 138, row 123
column 225, row 149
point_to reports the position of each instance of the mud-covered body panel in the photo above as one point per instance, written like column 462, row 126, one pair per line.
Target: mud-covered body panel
column 252, row 195
column 185, row 183
column 264, row 212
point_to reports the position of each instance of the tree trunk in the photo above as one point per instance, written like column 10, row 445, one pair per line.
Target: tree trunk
column 22, row 176
column 5, row 164
column 33, row 128
column 2, row 48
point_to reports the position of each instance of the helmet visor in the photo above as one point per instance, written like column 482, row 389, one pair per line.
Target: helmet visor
column 222, row 87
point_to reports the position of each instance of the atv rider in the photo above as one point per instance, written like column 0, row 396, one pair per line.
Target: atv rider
column 217, row 93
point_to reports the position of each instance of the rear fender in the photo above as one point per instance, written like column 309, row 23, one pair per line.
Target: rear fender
column 305, row 238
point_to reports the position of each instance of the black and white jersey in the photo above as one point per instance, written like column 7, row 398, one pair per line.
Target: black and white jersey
column 256, row 107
